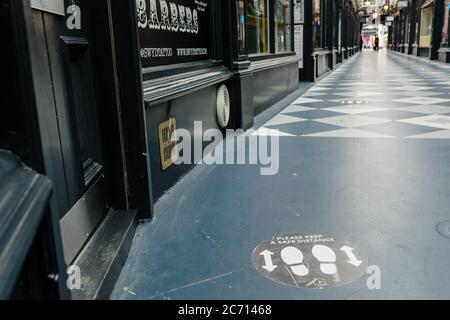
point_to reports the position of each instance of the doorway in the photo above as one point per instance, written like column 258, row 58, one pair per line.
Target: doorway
column 76, row 118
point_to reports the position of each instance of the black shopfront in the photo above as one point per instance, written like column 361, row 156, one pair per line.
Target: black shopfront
column 72, row 145
column 87, row 98
column 331, row 33
column 421, row 28
column 189, row 49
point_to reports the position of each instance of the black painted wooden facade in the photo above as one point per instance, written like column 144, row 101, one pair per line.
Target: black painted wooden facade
column 78, row 108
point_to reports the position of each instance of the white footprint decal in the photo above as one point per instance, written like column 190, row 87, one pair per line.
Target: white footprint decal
column 327, row 259
column 294, row 258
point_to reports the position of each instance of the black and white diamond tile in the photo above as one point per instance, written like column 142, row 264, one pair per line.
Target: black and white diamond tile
column 443, row 83
column 348, row 133
column 319, row 88
column 352, row 121
column 412, row 88
column 283, row 119
column 393, row 114
column 267, row 132
column 316, row 114
column 435, row 121
column 398, row 129
column 355, row 109
column 441, row 134
column 371, row 96
column 359, row 94
column 402, row 94
column 303, row 128
column 315, row 94
column 294, row 108
column 304, row 100
column 427, row 109
column 424, row 100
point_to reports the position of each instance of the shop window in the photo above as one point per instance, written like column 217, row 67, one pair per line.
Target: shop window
column 317, row 24
column 282, row 25
column 426, row 22
column 258, row 26
column 241, row 27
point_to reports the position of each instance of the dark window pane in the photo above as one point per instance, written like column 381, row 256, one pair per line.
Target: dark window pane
column 282, row 26
column 317, row 24
column 257, row 26
column 241, row 26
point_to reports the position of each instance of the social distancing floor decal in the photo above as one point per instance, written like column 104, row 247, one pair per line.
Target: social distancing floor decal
column 310, row 261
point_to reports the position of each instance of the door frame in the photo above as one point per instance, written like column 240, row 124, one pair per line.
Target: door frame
column 119, row 95
column 130, row 99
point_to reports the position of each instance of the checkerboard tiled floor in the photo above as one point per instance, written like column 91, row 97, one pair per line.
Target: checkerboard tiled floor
column 363, row 156
column 372, row 96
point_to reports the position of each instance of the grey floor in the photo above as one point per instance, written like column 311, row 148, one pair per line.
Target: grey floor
column 364, row 157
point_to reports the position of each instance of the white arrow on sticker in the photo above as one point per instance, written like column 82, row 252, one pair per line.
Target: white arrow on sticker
column 269, row 266
column 351, row 256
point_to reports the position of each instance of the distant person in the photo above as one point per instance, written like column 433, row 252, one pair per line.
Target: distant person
column 376, row 46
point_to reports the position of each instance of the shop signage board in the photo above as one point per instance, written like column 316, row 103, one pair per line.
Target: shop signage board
column 312, row 261
column 51, row 6
column 172, row 31
column 298, row 43
column 402, row 4
column 299, row 11
column 390, row 18
column 299, row 20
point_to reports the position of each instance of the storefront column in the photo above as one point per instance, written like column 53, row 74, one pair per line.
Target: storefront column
column 338, row 39
column 358, row 34
column 389, row 41
column 308, row 45
column 347, row 30
column 241, row 82
column 438, row 25
column 396, row 33
column 335, row 51
column 400, row 32
column 412, row 26
column 329, row 32
column 353, row 31
column 354, row 27
column 350, row 31
column 417, row 14
column 403, row 14
column 345, row 24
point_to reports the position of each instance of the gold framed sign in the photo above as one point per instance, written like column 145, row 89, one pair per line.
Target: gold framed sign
column 168, row 143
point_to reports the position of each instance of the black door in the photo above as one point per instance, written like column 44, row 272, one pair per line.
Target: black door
column 74, row 129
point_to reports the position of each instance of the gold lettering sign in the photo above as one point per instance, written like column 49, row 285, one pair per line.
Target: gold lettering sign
column 168, row 143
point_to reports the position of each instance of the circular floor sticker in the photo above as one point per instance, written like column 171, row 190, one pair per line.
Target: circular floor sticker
column 310, row 261
column 444, row 229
